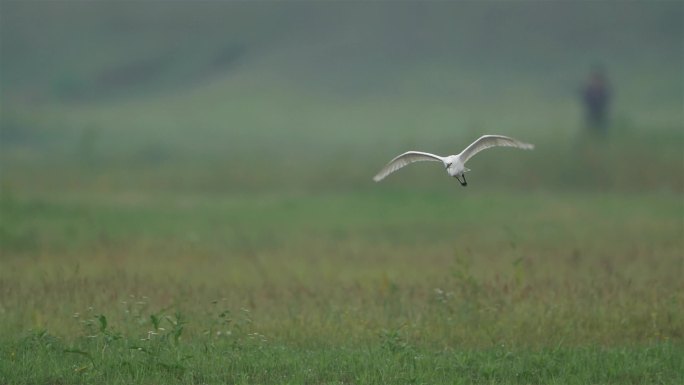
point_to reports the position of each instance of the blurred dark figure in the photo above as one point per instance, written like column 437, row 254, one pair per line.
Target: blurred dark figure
column 596, row 98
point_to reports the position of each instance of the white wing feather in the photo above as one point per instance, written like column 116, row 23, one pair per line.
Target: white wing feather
column 488, row 141
column 404, row 160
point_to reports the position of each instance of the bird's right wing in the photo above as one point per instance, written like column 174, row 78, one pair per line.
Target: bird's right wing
column 404, row 160
column 488, row 141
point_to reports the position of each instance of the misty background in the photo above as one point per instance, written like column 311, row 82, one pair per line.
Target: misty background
column 311, row 96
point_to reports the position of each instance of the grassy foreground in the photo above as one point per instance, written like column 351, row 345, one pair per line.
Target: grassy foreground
column 361, row 287
column 40, row 359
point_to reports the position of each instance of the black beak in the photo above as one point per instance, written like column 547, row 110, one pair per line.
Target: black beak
column 463, row 182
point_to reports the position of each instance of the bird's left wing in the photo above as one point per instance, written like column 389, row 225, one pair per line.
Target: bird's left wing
column 488, row 141
column 404, row 160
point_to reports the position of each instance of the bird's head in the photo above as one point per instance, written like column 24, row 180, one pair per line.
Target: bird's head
column 453, row 169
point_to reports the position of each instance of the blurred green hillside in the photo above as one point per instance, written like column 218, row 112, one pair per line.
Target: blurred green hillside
column 238, row 96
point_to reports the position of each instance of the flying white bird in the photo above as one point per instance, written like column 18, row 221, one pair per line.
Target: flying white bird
column 455, row 164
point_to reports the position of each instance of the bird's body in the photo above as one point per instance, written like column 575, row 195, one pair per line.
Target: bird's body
column 454, row 164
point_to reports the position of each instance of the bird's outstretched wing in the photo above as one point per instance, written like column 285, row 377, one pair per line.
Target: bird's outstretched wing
column 488, row 141
column 406, row 159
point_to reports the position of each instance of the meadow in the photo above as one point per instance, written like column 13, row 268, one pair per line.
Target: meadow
column 381, row 285
column 193, row 204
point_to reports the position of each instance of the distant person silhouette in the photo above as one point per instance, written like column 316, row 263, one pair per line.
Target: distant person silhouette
column 596, row 99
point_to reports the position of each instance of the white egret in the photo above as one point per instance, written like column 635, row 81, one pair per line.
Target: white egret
column 454, row 164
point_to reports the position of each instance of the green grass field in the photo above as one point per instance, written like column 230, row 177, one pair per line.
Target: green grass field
column 186, row 194
column 361, row 287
